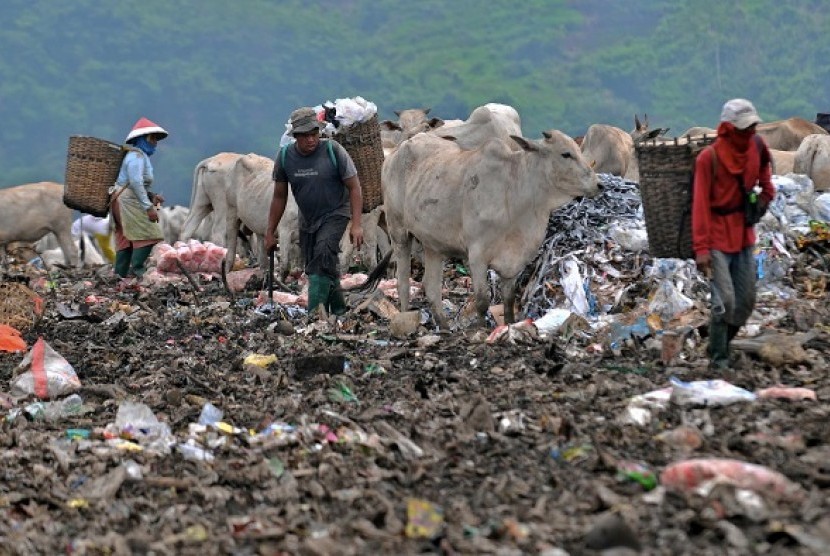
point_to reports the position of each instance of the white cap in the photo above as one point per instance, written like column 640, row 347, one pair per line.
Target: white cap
column 740, row 113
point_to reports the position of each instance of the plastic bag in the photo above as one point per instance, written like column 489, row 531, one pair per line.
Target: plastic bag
column 572, row 284
column 694, row 474
column 44, row 373
column 630, row 239
column 668, row 301
column 822, row 206
column 10, row 339
column 708, row 393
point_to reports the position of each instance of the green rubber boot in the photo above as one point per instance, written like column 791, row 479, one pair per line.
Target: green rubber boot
column 122, row 262
column 318, row 292
column 138, row 259
column 718, row 346
column 337, row 303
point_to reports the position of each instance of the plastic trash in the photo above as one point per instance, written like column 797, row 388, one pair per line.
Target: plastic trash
column 424, row 519
column 44, row 373
column 10, row 339
column 551, row 321
column 194, row 453
column 822, row 207
column 697, row 474
column 708, row 393
column 210, row 414
column 55, row 410
column 133, row 470
column 136, row 421
column 637, row 472
column 640, row 407
column 681, row 437
column 787, row 393
column 668, row 302
column 572, row 284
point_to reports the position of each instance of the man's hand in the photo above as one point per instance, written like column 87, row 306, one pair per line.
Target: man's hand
column 704, row 263
column 356, row 234
column 152, row 215
column 270, row 242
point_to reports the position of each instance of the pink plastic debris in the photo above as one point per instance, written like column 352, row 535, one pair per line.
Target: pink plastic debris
column 688, row 475
column 787, row 393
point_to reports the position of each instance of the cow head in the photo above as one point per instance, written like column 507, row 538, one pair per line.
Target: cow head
column 560, row 160
column 642, row 133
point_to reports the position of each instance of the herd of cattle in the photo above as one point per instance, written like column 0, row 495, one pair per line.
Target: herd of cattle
column 474, row 189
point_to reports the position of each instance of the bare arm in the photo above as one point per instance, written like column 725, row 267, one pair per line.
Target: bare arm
column 275, row 213
column 356, row 202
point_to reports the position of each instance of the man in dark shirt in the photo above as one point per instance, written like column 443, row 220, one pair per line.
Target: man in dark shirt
column 325, row 184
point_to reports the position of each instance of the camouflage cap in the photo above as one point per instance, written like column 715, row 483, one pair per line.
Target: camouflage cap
column 303, row 120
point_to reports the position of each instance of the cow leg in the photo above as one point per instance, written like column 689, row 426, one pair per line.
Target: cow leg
column 433, row 275
column 70, row 252
column 403, row 262
column 231, row 227
column 508, row 294
column 481, row 289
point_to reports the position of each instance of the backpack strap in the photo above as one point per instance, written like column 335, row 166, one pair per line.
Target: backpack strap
column 329, row 148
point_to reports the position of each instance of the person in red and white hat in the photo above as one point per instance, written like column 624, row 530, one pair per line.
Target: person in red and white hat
column 132, row 204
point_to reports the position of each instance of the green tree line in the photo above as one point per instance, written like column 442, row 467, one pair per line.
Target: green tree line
column 223, row 76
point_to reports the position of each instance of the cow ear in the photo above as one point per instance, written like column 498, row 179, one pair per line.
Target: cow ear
column 524, row 143
column 426, row 110
column 390, row 125
column 435, row 123
column 547, row 134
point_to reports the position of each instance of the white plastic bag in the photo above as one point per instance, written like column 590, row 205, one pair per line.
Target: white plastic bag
column 572, row 284
column 44, row 373
column 708, row 393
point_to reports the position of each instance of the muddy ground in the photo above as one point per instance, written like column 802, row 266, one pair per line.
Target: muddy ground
column 514, row 446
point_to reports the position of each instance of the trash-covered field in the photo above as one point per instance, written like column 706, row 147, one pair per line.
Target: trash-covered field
column 181, row 418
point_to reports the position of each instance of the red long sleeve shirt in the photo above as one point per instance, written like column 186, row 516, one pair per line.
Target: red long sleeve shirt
column 727, row 233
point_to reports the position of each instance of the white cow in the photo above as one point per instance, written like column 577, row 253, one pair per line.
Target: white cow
column 489, row 205
column 248, row 201
column 813, row 159
column 485, row 122
column 211, row 183
column 375, row 242
column 29, row 212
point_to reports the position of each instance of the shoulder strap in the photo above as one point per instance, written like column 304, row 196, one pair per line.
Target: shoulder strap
column 282, row 156
column 333, row 158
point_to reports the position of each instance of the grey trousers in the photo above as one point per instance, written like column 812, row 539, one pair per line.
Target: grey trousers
column 733, row 299
column 321, row 249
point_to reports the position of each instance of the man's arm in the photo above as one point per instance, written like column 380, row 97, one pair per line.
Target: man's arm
column 275, row 213
column 356, row 202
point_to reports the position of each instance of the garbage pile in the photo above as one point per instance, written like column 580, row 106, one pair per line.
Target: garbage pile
column 179, row 417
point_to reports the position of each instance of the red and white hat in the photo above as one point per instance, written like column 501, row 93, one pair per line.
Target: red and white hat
column 145, row 127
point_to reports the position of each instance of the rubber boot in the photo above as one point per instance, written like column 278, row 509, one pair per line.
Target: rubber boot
column 122, row 262
column 138, row 259
column 718, row 346
column 318, row 292
column 337, row 303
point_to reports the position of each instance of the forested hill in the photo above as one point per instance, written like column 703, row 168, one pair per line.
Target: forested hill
column 223, row 76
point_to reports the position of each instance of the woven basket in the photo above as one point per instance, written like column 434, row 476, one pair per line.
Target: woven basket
column 20, row 307
column 92, row 167
column 362, row 142
column 666, row 191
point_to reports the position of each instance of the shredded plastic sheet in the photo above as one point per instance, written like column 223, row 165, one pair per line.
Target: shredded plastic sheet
column 695, row 475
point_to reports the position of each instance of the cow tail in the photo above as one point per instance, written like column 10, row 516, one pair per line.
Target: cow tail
column 197, row 175
column 374, row 277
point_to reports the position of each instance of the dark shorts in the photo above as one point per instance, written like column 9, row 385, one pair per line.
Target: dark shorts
column 321, row 248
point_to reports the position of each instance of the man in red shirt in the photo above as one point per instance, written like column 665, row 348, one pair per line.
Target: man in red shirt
column 722, row 240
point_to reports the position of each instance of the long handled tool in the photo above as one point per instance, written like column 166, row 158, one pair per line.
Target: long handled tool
column 270, row 279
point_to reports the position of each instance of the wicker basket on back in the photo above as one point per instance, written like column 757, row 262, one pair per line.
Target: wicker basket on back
column 362, row 141
column 92, row 167
column 666, row 190
column 20, row 307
